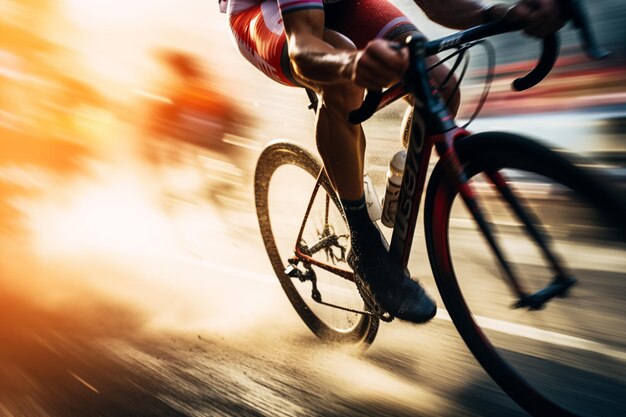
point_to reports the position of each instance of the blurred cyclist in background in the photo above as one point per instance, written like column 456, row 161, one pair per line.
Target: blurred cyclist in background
column 187, row 108
column 191, row 127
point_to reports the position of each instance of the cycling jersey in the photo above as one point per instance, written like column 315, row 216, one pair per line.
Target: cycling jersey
column 257, row 28
column 236, row 6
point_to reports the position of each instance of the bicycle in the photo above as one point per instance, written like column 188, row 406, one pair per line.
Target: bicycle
column 487, row 173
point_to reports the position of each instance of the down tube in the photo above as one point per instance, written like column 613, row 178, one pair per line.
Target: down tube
column 418, row 156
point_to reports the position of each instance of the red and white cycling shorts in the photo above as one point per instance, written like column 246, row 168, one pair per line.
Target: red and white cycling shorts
column 260, row 35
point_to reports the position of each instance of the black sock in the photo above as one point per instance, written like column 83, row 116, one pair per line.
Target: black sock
column 365, row 237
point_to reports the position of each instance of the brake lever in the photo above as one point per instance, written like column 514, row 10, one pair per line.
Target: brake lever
column 573, row 10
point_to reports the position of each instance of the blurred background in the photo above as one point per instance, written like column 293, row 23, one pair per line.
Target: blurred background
column 130, row 258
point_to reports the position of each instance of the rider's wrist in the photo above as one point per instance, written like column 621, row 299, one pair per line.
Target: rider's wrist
column 346, row 71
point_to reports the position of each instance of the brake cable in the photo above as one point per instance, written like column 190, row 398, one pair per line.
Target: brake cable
column 460, row 53
column 489, row 76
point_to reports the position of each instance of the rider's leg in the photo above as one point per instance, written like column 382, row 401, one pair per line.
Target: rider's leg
column 342, row 147
column 340, row 143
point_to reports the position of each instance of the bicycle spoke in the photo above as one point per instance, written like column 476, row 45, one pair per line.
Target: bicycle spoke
column 300, row 202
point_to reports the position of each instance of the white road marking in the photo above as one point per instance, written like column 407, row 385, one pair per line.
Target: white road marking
column 540, row 335
column 512, row 329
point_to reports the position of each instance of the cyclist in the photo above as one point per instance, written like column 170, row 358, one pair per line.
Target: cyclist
column 190, row 109
column 337, row 48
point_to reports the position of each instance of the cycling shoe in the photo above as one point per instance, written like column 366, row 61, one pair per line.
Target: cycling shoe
column 392, row 288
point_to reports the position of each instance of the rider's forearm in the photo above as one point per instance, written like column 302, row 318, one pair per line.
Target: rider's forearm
column 312, row 58
column 455, row 14
column 315, row 60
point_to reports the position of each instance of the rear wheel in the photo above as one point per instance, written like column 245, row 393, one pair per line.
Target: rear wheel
column 567, row 358
column 284, row 181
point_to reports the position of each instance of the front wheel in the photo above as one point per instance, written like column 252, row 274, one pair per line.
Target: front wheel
column 567, row 358
column 284, row 181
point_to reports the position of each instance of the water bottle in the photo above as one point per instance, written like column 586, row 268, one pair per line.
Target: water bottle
column 392, row 192
column 374, row 210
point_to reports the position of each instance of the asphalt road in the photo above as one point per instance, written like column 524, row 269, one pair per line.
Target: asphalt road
column 117, row 302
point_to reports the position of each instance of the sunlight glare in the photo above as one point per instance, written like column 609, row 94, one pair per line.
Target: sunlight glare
column 113, row 217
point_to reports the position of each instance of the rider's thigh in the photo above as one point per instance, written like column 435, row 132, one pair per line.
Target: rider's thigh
column 260, row 36
column 365, row 20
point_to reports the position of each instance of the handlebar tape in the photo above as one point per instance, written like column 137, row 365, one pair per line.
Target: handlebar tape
column 549, row 53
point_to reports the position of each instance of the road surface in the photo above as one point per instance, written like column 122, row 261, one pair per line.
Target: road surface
column 115, row 306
